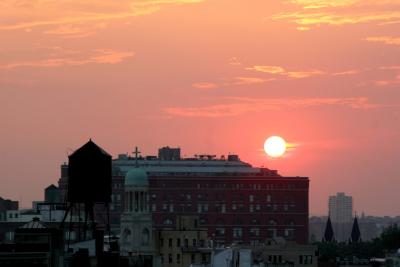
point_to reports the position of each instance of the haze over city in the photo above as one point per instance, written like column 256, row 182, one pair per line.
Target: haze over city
column 213, row 77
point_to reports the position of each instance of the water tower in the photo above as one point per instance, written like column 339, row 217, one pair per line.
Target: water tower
column 89, row 183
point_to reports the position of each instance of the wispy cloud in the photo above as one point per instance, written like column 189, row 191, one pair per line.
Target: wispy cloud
column 205, row 85
column 310, row 4
column 282, row 71
column 346, row 72
column 389, row 40
column 71, row 16
column 388, row 82
column 75, row 31
column 235, row 81
column 268, row 69
column 72, row 58
column 239, row 106
column 248, row 80
column 332, row 18
column 340, row 12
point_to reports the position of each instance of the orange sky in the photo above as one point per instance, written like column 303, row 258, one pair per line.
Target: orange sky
column 211, row 77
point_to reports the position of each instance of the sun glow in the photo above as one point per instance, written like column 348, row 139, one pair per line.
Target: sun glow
column 275, row 146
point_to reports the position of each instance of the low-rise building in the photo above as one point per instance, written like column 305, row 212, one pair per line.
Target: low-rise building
column 184, row 243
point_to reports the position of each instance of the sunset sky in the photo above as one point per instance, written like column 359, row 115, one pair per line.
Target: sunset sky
column 211, row 76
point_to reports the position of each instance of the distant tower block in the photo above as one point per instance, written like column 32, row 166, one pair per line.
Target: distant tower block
column 169, row 153
column 89, row 175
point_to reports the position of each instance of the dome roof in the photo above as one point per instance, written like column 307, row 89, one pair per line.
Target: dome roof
column 136, row 177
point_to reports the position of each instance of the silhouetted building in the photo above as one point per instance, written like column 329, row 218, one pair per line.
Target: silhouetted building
column 137, row 240
column 52, row 194
column 329, row 235
column 168, row 153
column 6, row 205
column 184, row 243
column 34, row 244
column 341, row 213
column 236, row 202
column 355, row 231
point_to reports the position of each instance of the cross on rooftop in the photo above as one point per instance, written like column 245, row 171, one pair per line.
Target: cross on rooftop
column 136, row 153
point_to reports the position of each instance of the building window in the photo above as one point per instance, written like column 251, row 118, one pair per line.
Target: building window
column 178, row 242
column 305, row 259
column 251, row 198
column 272, row 222
column 220, row 231
column 145, row 237
column 167, row 222
column 268, row 198
column 271, row 233
column 223, row 208
column 254, row 231
column 193, row 258
column 171, row 207
column 234, row 207
column 165, row 207
column 153, row 207
column 153, row 197
column 170, row 242
column 188, row 197
column 203, row 258
column 194, row 242
column 289, row 233
column 169, row 258
column 178, row 258
column 186, row 242
column 251, row 208
column 162, row 257
column 237, row 232
column 161, row 242
column 202, row 208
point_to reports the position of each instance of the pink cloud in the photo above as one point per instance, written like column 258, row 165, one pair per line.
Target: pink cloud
column 66, row 58
column 205, row 85
column 389, row 40
column 238, row 106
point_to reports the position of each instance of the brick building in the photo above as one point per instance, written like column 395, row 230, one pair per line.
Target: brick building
column 236, row 202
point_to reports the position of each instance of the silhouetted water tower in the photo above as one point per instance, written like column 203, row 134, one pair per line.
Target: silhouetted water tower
column 89, row 180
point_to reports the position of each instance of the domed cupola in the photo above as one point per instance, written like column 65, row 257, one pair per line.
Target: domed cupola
column 136, row 177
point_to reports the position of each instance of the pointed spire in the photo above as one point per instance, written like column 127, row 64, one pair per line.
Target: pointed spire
column 355, row 231
column 329, row 235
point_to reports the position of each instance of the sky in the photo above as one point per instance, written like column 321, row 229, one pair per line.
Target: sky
column 209, row 76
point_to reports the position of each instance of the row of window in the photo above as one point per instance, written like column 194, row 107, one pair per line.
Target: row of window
column 254, row 221
column 237, row 232
column 178, row 258
column 222, row 197
column 241, row 186
column 222, row 208
column 186, row 242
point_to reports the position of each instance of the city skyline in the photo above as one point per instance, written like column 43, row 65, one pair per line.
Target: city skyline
column 212, row 77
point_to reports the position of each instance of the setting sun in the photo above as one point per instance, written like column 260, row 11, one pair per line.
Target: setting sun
column 275, row 146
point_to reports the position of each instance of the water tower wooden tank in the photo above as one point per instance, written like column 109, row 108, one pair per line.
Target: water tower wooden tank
column 89, row 175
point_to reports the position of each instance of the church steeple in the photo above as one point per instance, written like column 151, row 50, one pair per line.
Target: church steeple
column 355, row 231
column 328, row 235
